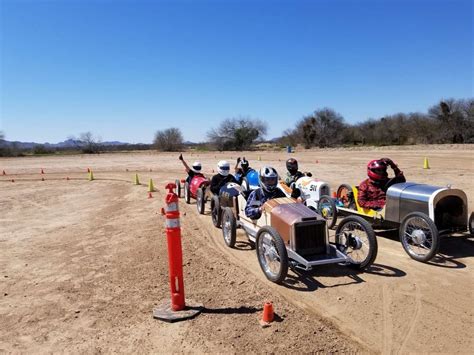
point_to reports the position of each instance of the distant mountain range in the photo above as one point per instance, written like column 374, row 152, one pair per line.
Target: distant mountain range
column 69, row 143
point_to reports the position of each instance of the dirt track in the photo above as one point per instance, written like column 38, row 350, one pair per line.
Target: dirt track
column 83, row 263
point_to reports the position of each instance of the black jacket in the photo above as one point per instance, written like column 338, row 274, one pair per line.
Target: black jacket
column 218, row 181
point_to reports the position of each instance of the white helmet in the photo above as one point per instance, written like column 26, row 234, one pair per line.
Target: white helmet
column 197, row 167
column 268, row 178
column 223, row 167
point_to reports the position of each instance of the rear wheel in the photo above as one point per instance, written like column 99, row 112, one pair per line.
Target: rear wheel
column 327, row 209
column 216, row 212
column 187, row 193
column 345, row 196
column 355, row 237
column 272, row 255
column 419, row 236
column 229, row 227
column 178, row 187
column 200, row 200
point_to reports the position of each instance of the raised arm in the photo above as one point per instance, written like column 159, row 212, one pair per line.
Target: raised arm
column 186, row 166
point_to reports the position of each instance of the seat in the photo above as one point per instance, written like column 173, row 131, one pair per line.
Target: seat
column 366, row 211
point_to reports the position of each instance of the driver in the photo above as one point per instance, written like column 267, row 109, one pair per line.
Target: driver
column 222, row 177
column 293, row 173
column 268, row 181
column 372, row 191
column 193, row 171
column 243, row 169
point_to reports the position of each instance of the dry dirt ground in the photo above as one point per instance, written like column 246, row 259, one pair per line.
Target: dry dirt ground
column 82, row 264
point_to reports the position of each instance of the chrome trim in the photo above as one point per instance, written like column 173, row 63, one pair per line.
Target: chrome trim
column 340, row 258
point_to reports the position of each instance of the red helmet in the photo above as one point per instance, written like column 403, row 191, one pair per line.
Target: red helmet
column 377, row 170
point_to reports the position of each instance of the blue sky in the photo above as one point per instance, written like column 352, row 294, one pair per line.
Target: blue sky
column 124, row 69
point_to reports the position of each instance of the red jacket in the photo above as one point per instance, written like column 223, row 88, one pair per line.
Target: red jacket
column 373, row 195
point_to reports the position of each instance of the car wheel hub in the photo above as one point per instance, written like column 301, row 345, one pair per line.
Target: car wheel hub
column 418, row 236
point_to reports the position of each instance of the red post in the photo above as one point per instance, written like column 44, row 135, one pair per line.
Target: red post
column 175, row 253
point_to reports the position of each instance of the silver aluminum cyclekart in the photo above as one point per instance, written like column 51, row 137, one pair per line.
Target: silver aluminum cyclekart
column 423, row 214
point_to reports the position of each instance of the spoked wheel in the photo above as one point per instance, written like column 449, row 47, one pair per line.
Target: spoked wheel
column 216, row 212
column 327, row 209
column 200, row 200
column 178, row 187
column 187, row 193
column 344, row 194
column 271, row 254
column 229, row 227
column 355, row 237
column 419, row 236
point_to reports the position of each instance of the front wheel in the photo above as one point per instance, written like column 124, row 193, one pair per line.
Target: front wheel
column 355, row 237
column 419, row 236
column 187, row 193
column 272, row 255
column 178, row 187
column 327, row 209
column 216, row 212
column 229, row 227
column 200, row 200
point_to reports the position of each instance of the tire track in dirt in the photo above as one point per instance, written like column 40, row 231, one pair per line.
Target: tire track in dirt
column 413, row 321
column 387, row 333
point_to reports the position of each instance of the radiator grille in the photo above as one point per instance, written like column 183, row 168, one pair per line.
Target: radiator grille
column 310, row 238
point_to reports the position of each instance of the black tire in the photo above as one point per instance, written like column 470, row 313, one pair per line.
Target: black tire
column 200, row 200
column 344, row 194
column 271, row 248
column 419, row 233
column 187, row 193
column 178, row 187
column 229, row 227
column 471, row 224
column 355, row 237
column 327, row 209
column 216, row 212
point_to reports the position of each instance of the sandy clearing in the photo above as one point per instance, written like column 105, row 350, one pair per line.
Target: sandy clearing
column 83, row 263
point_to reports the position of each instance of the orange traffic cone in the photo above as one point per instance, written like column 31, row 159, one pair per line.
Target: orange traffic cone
column 150, row 195
column 268, row 315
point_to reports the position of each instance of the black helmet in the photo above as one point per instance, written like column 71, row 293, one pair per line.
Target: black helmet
column 292, row 165
column 268, row 178
column 244, row 164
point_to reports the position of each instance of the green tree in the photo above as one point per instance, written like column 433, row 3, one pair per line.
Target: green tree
column 169, row 140
column 237, row 133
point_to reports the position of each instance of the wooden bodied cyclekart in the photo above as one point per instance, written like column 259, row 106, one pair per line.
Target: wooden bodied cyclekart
column 289, row 234
column 422, row 214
